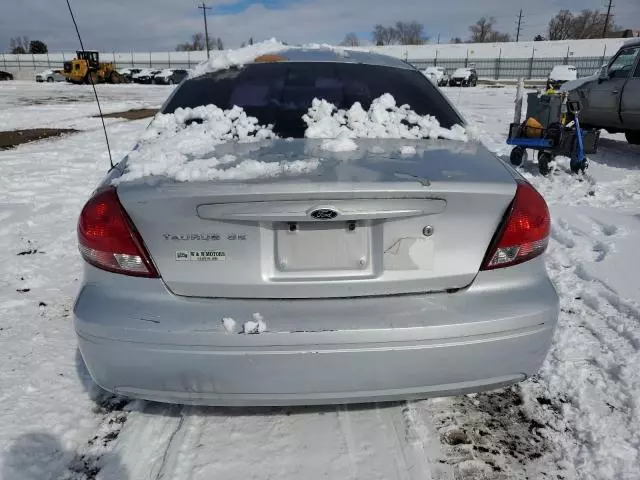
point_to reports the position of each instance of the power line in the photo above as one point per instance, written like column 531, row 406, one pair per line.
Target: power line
column 519, row 25
column 206, row 29
column 606, row 20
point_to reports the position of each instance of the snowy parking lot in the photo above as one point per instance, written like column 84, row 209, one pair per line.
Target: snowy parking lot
column 578, row 419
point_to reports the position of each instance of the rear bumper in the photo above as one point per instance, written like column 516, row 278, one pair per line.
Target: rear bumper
column 139, row 340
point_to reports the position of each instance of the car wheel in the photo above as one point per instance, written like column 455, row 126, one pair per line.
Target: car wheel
column 633, row 137
column 518, row 155
column 49, row 79
column 544, row 161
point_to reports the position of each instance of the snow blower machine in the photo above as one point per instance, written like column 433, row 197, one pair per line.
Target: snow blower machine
column 552, row 128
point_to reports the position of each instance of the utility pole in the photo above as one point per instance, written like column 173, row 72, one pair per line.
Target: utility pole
column 206, row 29
column 438, row 39
column 519, row 25
column 606, row 20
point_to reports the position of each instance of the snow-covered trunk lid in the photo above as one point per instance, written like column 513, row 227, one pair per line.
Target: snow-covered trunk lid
column 373, row 221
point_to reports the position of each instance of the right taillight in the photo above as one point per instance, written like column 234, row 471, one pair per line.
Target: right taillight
column 108, row 240
column 524, row 234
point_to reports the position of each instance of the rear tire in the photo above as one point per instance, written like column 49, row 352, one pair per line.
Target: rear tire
column 544, row 159
column 92, row 77
column 517, row 156
column 633, row 137
column 115, row 78
column 50, row 80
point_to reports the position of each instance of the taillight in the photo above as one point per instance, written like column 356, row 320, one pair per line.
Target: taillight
column 108, row 240
column 524, row 234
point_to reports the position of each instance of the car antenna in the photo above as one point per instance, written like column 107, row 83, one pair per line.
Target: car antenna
column 95, row 93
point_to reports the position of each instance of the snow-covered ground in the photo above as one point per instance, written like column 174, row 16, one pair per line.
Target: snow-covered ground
column 578, row 419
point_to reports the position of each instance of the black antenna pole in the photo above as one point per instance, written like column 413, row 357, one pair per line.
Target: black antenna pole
column 95, row 93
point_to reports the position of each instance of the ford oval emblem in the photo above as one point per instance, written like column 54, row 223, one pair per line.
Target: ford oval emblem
column 324, row 214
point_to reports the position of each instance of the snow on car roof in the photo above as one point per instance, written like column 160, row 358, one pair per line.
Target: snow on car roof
column 273, row 50
column 562, row 68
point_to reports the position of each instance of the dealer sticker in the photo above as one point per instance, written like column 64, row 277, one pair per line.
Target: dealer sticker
column 200, row 256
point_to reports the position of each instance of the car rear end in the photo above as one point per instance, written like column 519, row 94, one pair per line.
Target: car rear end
column 460, row 77
column 376, row 278
column 162, row 78
column 561, row 74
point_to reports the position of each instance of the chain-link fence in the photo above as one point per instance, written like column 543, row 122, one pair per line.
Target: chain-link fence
column 506, row 68
column 487, row 68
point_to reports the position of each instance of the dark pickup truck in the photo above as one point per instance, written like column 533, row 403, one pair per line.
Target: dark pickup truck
column 611, row 99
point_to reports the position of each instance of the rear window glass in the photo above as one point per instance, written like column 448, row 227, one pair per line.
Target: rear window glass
column 281, row 93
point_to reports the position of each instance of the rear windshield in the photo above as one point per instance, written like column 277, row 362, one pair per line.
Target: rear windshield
column 281, row 93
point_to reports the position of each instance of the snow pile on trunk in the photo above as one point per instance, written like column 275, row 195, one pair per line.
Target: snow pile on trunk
column 229, row 324
column 340, row 144
column 408, row 150
column 255, row 326
column 384, row 119
column 179, row 146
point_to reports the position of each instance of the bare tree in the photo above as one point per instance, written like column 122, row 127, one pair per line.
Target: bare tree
column 403, row 33
column 587, row 24
column 19, row 45
column 481, row 29
column 384, row 35
column 410, row 33
column 38, row 46
column 560, row 26
column 350, row 40
column 198, row 43
column 482, row 32
column 498, row 37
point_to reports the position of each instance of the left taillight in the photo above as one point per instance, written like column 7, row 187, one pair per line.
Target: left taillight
column 524, row 233
column 108, row 239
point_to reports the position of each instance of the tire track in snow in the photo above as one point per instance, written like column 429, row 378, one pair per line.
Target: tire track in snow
column 390, row 442
column 591, row 377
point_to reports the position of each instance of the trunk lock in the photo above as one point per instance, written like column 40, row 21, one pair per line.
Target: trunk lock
column 427, row 231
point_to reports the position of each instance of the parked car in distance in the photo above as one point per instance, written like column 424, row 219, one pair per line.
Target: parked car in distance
column 373, row 282
column 561, row 74
column 437, row 75
column 128, row 73
column 145, row 76
column 5, row 76
column 611, row 100
column 51, row 76
column 170, row 77
column 464, row 77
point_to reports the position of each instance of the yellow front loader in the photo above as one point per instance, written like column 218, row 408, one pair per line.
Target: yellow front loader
column 87, row 68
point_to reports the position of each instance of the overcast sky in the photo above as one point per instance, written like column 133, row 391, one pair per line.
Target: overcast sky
column 158, row 25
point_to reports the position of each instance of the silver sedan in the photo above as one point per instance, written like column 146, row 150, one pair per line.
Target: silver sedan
column 375, row 276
